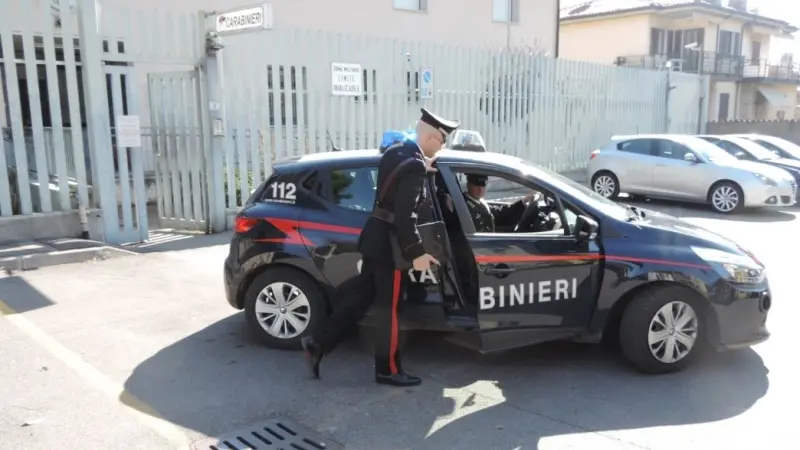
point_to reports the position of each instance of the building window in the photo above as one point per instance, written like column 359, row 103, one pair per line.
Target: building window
column 781, row 115
column 729, row 43
column 410, row 5
column 724, row 106
column 504, row 10
column 658, row 42
column 755, row 54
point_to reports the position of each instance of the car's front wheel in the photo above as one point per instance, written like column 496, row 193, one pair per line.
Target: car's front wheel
column 282, row 305
column 726, row 198
column 660, row 330
column 606, row 184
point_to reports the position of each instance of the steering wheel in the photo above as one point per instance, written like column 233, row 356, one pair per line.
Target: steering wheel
column 532, row 210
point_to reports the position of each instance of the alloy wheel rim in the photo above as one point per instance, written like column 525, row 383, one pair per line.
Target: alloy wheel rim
column 283, row 310
column 725, row 198
column 673, row 332
column 604, row 186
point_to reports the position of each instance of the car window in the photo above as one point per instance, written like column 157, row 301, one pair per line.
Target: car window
column 638, row 146
column 786, row 147
column 752, row 149
column 504, row 195
column 704, row 148
column 730, row 147
column 670, row 149
column 773, row 148
column 354, row 188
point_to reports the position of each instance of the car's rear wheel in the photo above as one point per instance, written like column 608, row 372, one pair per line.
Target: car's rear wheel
column 606, row 184
column 660, row 331
column 282, row 305
column 726, row 198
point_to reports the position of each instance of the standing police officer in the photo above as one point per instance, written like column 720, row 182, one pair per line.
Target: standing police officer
column 398, row 198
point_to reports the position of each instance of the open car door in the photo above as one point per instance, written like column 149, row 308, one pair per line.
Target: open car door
column 528, row 287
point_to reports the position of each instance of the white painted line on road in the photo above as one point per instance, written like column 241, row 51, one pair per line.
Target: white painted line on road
column 141, row 410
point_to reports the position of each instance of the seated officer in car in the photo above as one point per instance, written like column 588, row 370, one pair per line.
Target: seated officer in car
column 485, row 216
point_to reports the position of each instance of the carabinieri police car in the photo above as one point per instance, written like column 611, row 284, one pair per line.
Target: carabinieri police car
column 663, row 288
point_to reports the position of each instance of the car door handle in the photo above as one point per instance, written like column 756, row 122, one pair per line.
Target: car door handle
column 661, row 165
column 501, row 269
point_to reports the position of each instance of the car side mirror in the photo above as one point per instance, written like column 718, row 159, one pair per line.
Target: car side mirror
column 739, row 155
column 690, row 157
column 619, row 145
column 585, row 229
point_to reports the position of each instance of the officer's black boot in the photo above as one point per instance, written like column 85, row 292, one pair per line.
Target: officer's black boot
column 313, row 354
column 400, row 378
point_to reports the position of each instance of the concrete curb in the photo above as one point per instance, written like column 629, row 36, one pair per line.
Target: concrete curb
column 39, row 260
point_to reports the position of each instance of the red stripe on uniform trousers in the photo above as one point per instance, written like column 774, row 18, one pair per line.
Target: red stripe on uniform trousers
column 393, row 338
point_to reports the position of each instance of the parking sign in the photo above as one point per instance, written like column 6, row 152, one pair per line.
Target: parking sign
column 426, row 83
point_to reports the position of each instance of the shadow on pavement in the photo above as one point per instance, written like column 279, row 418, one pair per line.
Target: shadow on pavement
column 218, row 380
column 692, row 210
column 20, row 296
column 175, row 240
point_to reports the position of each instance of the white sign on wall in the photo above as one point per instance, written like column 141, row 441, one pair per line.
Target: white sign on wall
column 346, row 79
column 426, row 83
column 129, row 131
column 255, row 18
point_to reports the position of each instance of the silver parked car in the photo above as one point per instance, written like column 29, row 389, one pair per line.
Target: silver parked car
column 781, row 147
column 687, row 168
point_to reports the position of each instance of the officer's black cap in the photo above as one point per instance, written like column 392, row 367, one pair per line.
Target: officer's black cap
column 477, row 180
column 443, row 125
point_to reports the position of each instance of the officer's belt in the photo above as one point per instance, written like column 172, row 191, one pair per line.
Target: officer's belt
column 382, row 214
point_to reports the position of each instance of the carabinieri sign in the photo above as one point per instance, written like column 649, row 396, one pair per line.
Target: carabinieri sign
column 247, row 19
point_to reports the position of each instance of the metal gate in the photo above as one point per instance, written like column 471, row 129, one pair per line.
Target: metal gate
column 131, row 193
column 179, row 145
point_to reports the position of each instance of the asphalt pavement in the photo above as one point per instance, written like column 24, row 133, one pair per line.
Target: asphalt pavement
column 143, row 352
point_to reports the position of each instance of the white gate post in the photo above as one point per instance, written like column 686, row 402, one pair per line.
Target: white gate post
column 215, row 89
column 104, row 187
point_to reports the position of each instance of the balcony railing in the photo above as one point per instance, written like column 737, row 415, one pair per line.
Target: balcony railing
column 713, row 63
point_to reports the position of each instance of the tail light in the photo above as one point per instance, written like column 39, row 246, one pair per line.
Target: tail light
column 243, row 224
column 594, row 153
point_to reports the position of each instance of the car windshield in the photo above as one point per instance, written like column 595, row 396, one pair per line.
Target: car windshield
column 571, row 187
column 756, row 150
column 705, row 149
column 778, row 144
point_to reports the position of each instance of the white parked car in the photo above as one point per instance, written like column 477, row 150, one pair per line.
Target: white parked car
column 687, row 168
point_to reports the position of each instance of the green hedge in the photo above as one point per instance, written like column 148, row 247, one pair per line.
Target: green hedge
column 237, row 182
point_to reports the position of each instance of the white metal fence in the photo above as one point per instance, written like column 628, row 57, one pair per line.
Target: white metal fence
column 551, row 112
column 58, row 115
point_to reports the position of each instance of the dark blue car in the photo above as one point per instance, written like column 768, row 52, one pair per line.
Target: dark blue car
column 574, row 265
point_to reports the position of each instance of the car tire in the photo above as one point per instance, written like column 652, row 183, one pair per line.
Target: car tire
column 729, row 190
column 606, row 184
column 645, row 313
column 284, row 278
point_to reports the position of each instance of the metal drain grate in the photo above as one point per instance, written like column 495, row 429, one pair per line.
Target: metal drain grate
column 280, row 433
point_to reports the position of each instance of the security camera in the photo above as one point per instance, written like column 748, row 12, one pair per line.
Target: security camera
column 213, row 43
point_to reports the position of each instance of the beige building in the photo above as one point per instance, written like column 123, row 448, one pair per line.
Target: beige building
column 723, row 39
column 465, row 22
column 475, row 23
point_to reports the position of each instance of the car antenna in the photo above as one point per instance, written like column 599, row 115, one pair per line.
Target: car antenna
column 333, row 146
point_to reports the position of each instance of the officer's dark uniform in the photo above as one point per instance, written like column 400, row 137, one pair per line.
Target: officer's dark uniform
column 403, row 192
column 486, row 216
